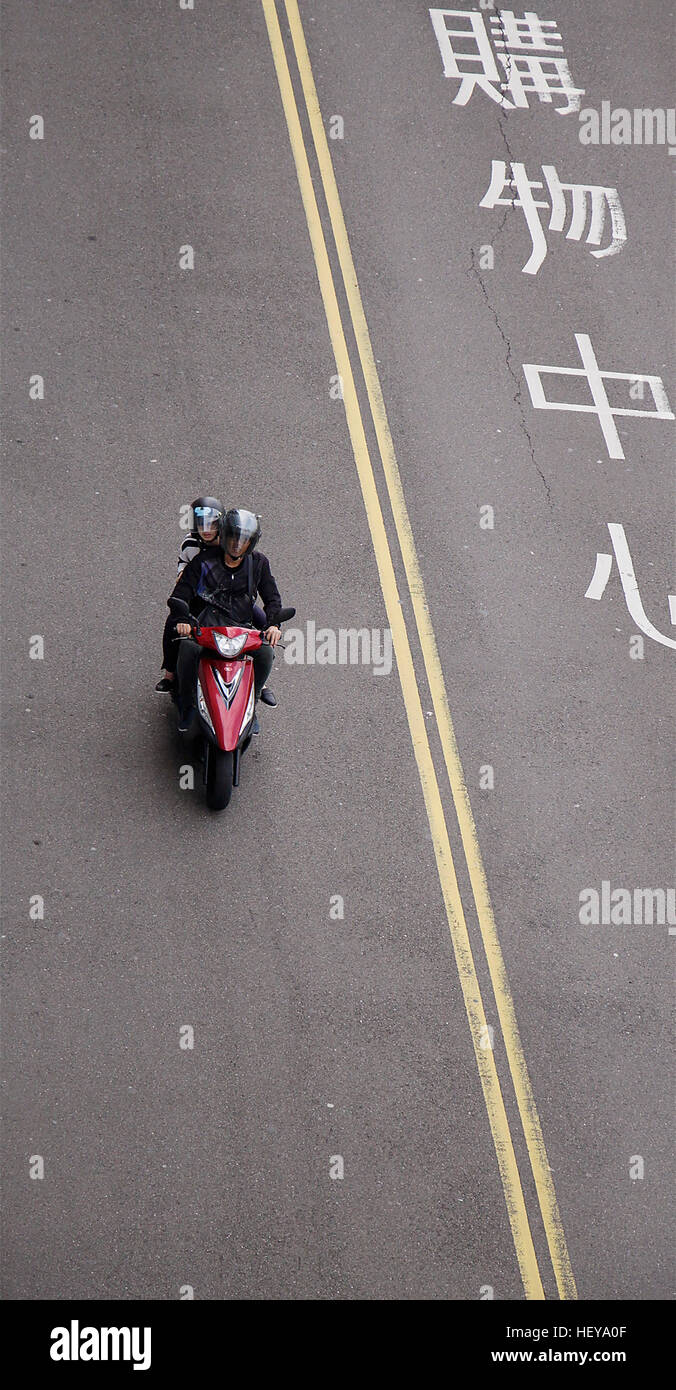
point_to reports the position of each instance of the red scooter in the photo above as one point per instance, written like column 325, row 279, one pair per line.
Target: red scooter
column 225, row 700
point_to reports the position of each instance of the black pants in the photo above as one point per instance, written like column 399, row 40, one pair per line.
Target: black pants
column 189, row 656
column 170, row 648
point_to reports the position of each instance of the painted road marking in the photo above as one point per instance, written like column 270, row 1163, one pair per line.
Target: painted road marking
column 589, row 201
column 513, row 1048
column 625, row 566
column 529, row 49
column 601, row 407
column 600, row 577
column 494, row 1102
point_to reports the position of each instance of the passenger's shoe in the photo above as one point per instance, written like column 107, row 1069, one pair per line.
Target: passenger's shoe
column 267, row 697
column 164, row 685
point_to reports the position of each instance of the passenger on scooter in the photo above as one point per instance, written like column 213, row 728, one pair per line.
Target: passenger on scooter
column 206, row 514
column 219, row 585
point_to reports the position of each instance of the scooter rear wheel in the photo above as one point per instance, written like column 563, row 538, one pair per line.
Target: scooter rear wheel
column 219, row 779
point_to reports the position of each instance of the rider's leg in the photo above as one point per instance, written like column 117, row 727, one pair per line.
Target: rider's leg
column 261, row 622
column 169, row 656
column 189, row 655
column 262, row 664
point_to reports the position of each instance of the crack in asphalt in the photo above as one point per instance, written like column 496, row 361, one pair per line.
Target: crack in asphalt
column 517, row 397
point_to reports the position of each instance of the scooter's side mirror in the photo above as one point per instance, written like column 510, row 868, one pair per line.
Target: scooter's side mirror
column 286, row 614
column 179, row 607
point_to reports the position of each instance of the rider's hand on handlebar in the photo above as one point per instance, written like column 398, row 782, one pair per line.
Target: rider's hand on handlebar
column 273, row 635
column 183, row 629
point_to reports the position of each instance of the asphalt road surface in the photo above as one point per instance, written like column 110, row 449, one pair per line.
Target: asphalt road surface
column 415, row 1072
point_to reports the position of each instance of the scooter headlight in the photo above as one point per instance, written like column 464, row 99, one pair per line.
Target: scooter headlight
column 230, row 646
column 202, row 707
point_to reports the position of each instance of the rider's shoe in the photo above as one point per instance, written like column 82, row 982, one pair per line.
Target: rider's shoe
column 185, row 719
column 267, row 697
column 164, row 685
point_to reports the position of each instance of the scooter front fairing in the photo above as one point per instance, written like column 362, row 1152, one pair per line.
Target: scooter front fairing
column 225, row 692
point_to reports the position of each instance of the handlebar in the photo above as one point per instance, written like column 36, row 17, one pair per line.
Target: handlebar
column 180, row 609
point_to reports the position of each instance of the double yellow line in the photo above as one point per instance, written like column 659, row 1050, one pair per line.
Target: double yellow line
column 511, row 1181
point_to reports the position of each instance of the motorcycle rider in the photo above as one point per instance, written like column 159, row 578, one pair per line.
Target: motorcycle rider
column 206, row 514
column 219, row 584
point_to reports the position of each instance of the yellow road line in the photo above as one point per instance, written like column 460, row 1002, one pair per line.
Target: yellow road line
column 514, row 1051
column 495, row 1107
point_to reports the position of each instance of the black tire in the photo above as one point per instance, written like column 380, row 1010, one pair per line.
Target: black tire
column 219, row 779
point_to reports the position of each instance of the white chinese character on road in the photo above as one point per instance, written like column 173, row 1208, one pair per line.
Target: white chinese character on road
column 601, row 405
column 601, row 575
column 517, row 42
column 528, row 32
column 588, row 200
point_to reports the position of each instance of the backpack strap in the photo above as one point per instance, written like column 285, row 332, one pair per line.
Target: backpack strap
column 251, row 592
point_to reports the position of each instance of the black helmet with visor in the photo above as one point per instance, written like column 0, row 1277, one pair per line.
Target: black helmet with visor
column 207, row 513
column 240, row 532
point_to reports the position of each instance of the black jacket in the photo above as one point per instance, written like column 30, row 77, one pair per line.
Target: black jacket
column 207, row 582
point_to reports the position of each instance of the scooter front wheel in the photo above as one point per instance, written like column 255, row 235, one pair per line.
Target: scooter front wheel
column 219, row 779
